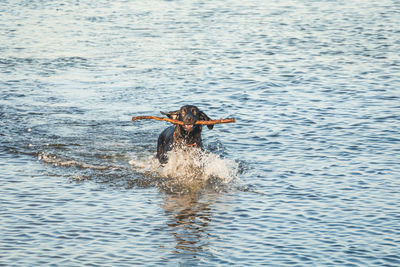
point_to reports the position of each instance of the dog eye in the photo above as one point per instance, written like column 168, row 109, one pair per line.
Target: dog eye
column 194, row 111
column 183, row 111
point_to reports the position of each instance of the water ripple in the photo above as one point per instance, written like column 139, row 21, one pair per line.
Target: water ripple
column 307, row 176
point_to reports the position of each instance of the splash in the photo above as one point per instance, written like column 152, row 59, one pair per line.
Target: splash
column 191, row 169
column 187, row 170
column 58, row 161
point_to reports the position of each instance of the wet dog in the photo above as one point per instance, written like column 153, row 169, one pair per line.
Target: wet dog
column 187, row 135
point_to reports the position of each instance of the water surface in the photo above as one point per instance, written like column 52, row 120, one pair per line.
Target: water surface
column 309, row 174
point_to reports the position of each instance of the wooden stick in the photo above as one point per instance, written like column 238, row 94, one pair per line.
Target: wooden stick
column 157, row 118
column 210, row 122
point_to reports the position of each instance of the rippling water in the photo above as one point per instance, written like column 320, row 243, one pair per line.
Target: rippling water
column 309, row 174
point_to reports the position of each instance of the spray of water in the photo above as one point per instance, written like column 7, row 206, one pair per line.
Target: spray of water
column 188, row 170
column 58, row 161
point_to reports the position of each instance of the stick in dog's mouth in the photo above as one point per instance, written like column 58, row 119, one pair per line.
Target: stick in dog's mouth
column 210, row 122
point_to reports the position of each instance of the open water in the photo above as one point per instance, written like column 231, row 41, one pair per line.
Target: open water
column 309, row 174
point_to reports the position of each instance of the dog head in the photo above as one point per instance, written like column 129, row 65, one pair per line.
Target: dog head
column 189, row 115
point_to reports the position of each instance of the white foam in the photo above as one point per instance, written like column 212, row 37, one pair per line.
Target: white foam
column 57, row 161
column 188, row 165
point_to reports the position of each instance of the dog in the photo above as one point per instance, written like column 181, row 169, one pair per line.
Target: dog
column 187, row 135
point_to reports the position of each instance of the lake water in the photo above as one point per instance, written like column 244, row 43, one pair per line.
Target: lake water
column 309, row 174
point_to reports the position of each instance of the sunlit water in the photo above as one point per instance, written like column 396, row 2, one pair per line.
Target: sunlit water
column 309, row 174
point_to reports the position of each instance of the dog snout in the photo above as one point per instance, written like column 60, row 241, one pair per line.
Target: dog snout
column 189, row 119
column 189, row 114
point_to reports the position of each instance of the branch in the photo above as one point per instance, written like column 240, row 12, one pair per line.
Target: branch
column 157, row 118
column 210, row 122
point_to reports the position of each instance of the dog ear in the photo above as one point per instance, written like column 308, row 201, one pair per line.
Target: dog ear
column 204, row 117
column 172, row 114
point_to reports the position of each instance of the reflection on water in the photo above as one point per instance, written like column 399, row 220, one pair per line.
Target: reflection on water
column 188, row 219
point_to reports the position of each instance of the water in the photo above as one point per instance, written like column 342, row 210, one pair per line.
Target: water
column 309, row 174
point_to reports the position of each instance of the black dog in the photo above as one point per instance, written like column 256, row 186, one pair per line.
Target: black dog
column 187, row 135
